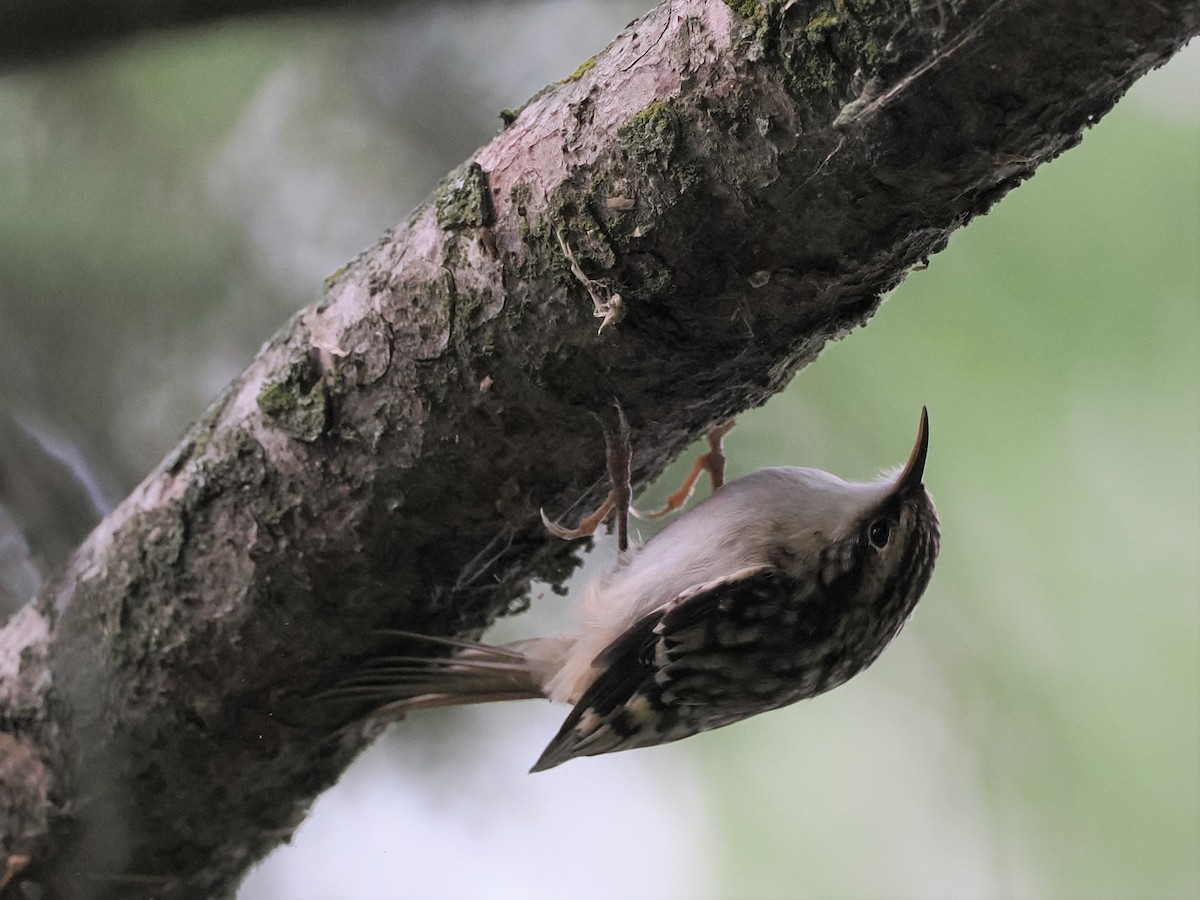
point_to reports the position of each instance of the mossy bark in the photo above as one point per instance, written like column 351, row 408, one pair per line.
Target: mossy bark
column 750, row 178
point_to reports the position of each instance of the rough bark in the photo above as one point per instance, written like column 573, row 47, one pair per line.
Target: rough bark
column 749, row 180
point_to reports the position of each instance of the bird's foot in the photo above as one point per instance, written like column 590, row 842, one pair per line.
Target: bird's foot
column 712, row 462
column 619, row 458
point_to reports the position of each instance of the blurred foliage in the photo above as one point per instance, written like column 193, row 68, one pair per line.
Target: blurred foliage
column 1035, row 732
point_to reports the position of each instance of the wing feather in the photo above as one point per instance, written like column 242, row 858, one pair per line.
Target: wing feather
column 633, row 702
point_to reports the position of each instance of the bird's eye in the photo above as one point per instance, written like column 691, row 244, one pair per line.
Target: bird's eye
column 879, row 532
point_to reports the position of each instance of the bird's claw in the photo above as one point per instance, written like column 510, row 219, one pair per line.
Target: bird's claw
column 619, row 461
column 712, row 462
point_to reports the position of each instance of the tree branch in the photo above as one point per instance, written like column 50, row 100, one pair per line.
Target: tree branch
column 39, row 30
column 749, row 181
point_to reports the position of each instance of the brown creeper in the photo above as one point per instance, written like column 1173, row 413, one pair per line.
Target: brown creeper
column 781, row 585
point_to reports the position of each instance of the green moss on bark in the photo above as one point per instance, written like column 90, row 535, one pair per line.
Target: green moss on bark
column 842, row 42
column 462, row 198
column 584, row 67
column 652, row 135
column 297, row 402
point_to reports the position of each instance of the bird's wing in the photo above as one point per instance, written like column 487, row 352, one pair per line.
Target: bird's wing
column 667, row 676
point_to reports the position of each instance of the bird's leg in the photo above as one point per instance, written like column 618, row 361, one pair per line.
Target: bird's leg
column 712, row 462
column 619, row 458
column 618, row 454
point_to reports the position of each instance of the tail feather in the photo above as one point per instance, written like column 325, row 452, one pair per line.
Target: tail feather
column 445, row 641
column 424, row 664
column 470, row 672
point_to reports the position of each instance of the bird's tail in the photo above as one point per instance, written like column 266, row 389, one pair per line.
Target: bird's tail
column 464, row 672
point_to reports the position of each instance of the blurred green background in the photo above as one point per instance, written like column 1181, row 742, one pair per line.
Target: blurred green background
column 1034, row 732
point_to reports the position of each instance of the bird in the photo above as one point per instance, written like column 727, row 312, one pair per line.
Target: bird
column 781, row 585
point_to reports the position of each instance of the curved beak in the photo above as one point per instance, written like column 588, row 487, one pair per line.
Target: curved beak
column 910, row 477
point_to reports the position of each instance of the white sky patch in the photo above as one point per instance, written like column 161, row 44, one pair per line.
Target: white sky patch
column 451, row 812
column 1172, row 93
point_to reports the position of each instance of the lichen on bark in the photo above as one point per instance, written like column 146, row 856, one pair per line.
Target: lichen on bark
column 750, row 177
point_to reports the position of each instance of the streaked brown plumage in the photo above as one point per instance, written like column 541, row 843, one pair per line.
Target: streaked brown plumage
column 783, row 584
